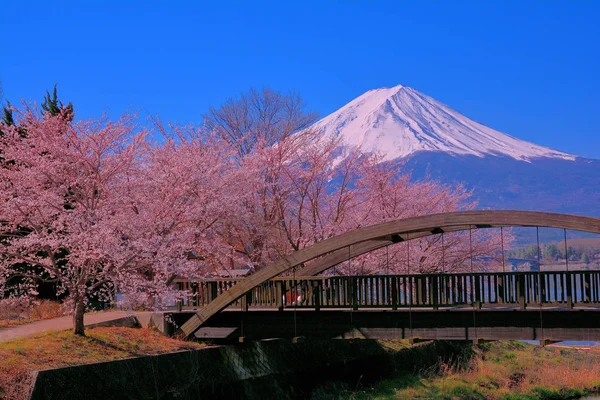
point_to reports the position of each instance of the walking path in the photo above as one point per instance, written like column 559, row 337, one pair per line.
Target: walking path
column 61, row 323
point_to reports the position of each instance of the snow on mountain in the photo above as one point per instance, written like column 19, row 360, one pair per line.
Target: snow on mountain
column 400, row 121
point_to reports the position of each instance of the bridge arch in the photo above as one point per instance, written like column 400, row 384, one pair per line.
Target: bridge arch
column 363, row 240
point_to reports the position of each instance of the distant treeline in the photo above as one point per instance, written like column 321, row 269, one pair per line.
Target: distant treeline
column 586, row 251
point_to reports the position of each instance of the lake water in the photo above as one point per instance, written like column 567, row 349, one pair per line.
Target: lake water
column 567, row 343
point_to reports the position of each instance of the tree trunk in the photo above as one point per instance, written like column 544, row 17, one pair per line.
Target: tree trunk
column 78, row 311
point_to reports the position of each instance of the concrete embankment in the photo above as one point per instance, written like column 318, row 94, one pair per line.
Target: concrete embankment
column 268, row 369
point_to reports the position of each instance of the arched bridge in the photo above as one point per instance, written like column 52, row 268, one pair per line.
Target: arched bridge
column 544, row 298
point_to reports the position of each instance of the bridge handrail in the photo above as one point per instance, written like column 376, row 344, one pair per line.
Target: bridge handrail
column 477, row 289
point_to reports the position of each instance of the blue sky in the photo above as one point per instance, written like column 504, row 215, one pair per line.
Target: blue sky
column 527, row 68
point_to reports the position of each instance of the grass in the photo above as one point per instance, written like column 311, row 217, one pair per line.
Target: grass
column 11, row 315
column 503, row 371
column 62, row 348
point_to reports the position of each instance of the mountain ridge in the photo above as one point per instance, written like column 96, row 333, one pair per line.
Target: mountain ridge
column 400, row 121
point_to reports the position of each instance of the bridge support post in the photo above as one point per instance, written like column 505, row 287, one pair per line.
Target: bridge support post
column 394, row 293
column 433, row 291
column 521, row 290
column 420, row 289
column 543, row 290
column 500, row 289
column 279, row 295
column 244, row 301
column 318, row 294
column 214, row 292
column 354, row 292
column 588, row 287
column 569, row 291
column 477, row 279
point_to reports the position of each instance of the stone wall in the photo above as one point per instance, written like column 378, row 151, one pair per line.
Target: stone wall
column 259, row 370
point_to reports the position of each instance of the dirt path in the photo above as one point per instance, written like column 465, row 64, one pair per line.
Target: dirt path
column 61, row 323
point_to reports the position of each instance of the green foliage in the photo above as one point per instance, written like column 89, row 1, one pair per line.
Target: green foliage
column 7, row 118
column 53, row 106
column 518, row 396
column 554, row 252
column 544, row 393
column 529, row 252
column 517, row 345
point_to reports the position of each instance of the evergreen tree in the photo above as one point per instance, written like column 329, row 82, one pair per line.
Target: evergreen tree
column 552, row 252
column 8, row 115
column 54, row 106
column 7, row 118
column 51, row 105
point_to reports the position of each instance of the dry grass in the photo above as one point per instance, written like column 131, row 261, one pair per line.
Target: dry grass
column 531, row 370
column 12, row 314
column 58, row 349
column 507, row 371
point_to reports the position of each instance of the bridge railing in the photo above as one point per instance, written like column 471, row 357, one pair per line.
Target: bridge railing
column 420, row 291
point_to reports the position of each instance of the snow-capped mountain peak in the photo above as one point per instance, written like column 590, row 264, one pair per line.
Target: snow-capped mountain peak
column 400, row 121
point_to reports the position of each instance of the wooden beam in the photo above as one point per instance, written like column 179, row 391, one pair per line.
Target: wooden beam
column 332, row 259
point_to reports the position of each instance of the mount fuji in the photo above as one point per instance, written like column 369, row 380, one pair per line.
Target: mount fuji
column 431, row 139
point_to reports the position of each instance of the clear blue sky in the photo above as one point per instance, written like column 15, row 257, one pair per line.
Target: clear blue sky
column 528, row 68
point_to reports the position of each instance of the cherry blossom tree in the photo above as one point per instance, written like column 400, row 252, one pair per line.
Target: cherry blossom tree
column 185, row 194
column 92, row 205
column 58, row 205
column 388, row 193
column 307, row 188
column 291, row 199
